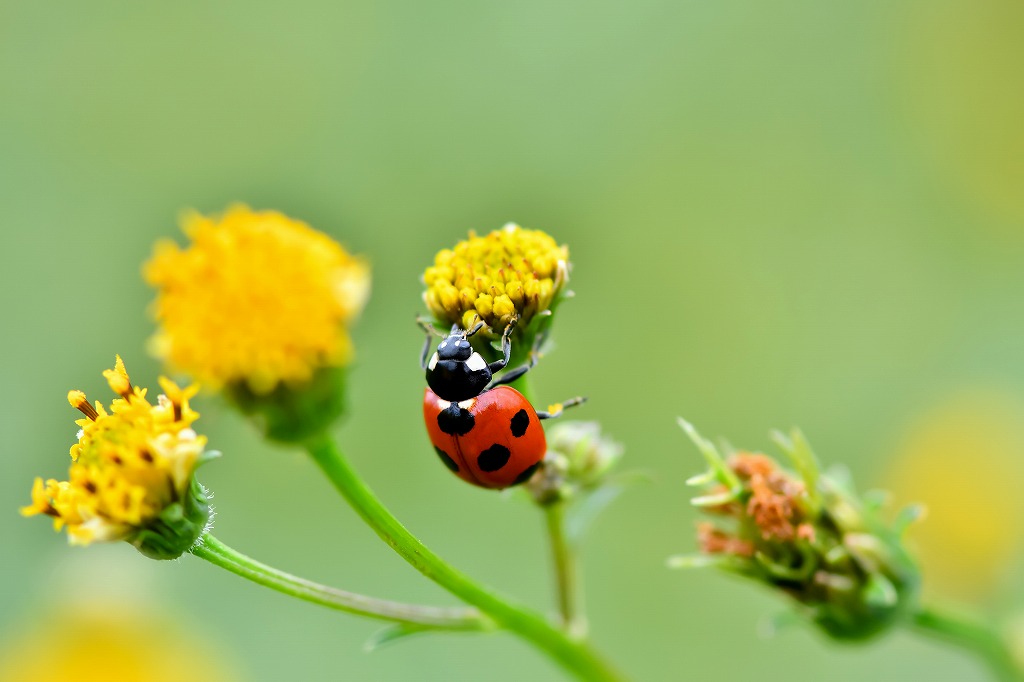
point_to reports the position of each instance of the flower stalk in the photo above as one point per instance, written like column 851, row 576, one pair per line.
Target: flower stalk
column 574, row 656
column 554, row 486
column 972, row 636
column 415, row 616
column 563, row 556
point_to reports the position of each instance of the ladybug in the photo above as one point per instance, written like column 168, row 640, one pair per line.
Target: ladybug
column 486, row 433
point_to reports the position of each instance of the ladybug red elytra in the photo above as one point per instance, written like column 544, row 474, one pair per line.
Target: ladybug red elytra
column 486, row 433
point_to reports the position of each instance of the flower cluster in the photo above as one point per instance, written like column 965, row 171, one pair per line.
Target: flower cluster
column 511, row 272
column 806, row 534
column 257, row 298
column 131, row 475
column 259, row 307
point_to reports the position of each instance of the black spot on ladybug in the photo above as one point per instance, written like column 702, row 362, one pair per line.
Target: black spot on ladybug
column 493, row 458
column 519, row 423
column 455, row 421
column 448, row 461
column 527, row 474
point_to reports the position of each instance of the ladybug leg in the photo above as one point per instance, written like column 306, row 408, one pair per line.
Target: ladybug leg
column 514, row 374
column 506, row 351
column 427, row 345
column 557, row 409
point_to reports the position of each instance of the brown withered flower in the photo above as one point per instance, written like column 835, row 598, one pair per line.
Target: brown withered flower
column 806, row 534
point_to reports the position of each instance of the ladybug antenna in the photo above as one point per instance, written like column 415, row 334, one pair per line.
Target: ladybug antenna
column 425, row 325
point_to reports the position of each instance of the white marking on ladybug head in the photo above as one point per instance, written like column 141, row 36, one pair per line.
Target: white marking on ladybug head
column 443, row 404
column 433, row 362
column 443, row 343
column 476, row 362
column 467, row 404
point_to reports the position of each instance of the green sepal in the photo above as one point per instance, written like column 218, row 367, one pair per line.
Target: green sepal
column 294, row 413
column 177, row 528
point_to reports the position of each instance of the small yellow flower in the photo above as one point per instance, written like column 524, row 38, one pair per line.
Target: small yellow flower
column 129, row 466
column 257, row 298
column 509, row 272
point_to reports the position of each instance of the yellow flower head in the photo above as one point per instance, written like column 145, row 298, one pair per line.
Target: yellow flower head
column 257, row 298
column 129, row 465
column 509, row 272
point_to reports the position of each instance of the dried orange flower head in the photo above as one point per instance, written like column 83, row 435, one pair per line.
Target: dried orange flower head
column 806, row 534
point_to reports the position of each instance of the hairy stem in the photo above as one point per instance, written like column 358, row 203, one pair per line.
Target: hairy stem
column 979, row 638
column 576, row 657
column 424, row 617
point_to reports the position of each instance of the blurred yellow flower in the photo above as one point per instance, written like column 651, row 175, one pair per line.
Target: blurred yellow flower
column 77, row 644
column 964, row 460
column 256, row 297
column 128, row 466
column 509, row 272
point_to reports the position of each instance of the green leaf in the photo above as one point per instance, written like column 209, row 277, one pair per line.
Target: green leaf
column 699, row 480
column 800, row 454
column 711, row 455
column 582, row 515
column 715, row 499
column 681, row 561
column 391, row 634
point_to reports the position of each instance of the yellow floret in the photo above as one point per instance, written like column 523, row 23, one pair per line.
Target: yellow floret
column 509, row 272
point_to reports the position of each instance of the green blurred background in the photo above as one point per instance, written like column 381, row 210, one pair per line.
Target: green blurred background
column 797, row 213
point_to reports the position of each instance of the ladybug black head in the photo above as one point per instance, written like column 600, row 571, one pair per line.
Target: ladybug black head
column 457, row 372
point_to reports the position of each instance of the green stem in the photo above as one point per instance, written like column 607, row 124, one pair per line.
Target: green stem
column 566, row 570
column 576, row 657
column 978, row 638
column 420, row 617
